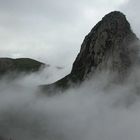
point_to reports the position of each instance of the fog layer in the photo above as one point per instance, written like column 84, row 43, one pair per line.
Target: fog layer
column 99, row 109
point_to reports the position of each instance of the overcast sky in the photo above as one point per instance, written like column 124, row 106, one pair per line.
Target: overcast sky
column 52, row 31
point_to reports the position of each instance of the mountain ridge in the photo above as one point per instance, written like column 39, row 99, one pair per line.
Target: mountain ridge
column 18, row 65
column 111, row 45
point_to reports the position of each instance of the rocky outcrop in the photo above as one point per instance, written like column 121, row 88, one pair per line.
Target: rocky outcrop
column 110, row 45
column 27, row 65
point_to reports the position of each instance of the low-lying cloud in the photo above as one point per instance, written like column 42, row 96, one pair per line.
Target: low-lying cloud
column 99, row 109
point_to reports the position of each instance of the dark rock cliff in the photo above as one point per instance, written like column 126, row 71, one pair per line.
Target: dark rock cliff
column 110, row 45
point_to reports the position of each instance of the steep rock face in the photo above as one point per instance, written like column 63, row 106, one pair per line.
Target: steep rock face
column 19, row 65
column 110, row 45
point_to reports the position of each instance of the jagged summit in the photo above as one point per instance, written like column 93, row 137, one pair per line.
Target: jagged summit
column 109, row 45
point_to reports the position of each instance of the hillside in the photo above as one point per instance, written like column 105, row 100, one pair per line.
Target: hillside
column 27, row 65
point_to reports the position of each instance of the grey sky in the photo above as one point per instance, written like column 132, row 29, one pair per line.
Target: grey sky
column 132, row 10
column 52, row 31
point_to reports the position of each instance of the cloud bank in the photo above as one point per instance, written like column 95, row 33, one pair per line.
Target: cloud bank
column 98, row 109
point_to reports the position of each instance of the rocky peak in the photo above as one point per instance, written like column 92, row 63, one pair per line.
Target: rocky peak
column 108, row 45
